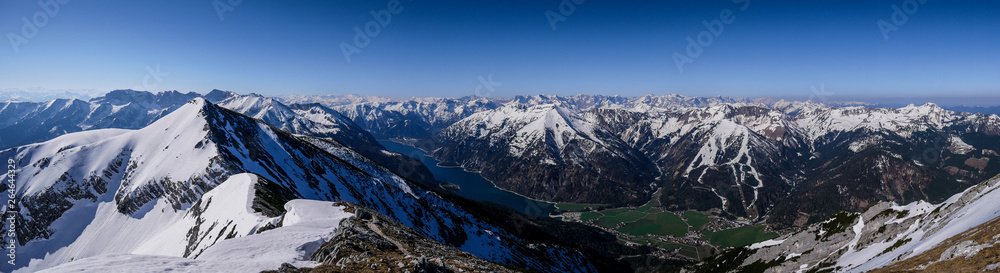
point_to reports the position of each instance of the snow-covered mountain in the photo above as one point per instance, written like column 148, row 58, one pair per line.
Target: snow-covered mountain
column 548, row 152
column 738, row 156
column 302, row 119
column 170, row 183
column 957, row 235
column 790, row 160
column 316, row 120
column 418, row 118
column 38, row 94
column 339, row 235
column 203, row 176
column 410, row 119
column 758, row 158
column 866, row 155
column 746, row 158
column 29, row 122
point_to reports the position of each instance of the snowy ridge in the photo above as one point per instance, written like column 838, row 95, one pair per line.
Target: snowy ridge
column 319, row 121
column 528, row 126
column 403, row 118
column 769, row 123
column 741, row 140
column 902, row 121
column 225, row 211
column 28, row 122
column 162, row 176
column 305, row 119
column 227, row 206
column 411, row 118
column 307, row 224
column 265, row 109
column 60, row 155
column 978, row 205
column 885, row 234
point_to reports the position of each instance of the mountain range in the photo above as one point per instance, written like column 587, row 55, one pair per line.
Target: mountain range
column 758, row 159
column 135, row 178
column 194, row 182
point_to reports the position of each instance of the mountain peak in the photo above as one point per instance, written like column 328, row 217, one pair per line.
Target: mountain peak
column 925, row 110
column 197, row 101
column 928, row 105
column 149, row 99
column 219, row 95
column 124, row 96
column 193, row 107
column 263, row 108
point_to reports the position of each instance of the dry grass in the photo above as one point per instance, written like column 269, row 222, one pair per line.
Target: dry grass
column 981, row 234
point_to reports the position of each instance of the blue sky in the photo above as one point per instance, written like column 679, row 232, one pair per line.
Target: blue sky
column 442, row 48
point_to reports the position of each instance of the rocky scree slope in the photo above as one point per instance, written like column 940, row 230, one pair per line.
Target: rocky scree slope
column 961, row 232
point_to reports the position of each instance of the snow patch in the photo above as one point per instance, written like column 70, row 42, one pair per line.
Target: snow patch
column 315, row 222
column 767, row 243
column 959, row 147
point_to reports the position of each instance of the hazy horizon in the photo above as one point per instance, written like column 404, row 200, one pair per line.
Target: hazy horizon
column 42, row 95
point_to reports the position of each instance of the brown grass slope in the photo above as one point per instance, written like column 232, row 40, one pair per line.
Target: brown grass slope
column 986, row 260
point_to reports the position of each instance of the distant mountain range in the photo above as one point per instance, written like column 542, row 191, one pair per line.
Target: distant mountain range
column 789, row 163
column 995, row 110
column 38, row 94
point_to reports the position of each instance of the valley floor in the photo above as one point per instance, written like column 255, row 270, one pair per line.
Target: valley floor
column 683, row 235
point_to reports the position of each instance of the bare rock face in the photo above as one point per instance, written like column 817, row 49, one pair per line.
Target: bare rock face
column 372, row 242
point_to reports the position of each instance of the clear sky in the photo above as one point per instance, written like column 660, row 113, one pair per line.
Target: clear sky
column 443, row 48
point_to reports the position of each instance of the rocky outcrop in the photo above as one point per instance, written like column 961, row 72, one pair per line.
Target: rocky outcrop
column 959, row 233
column 372, row 242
